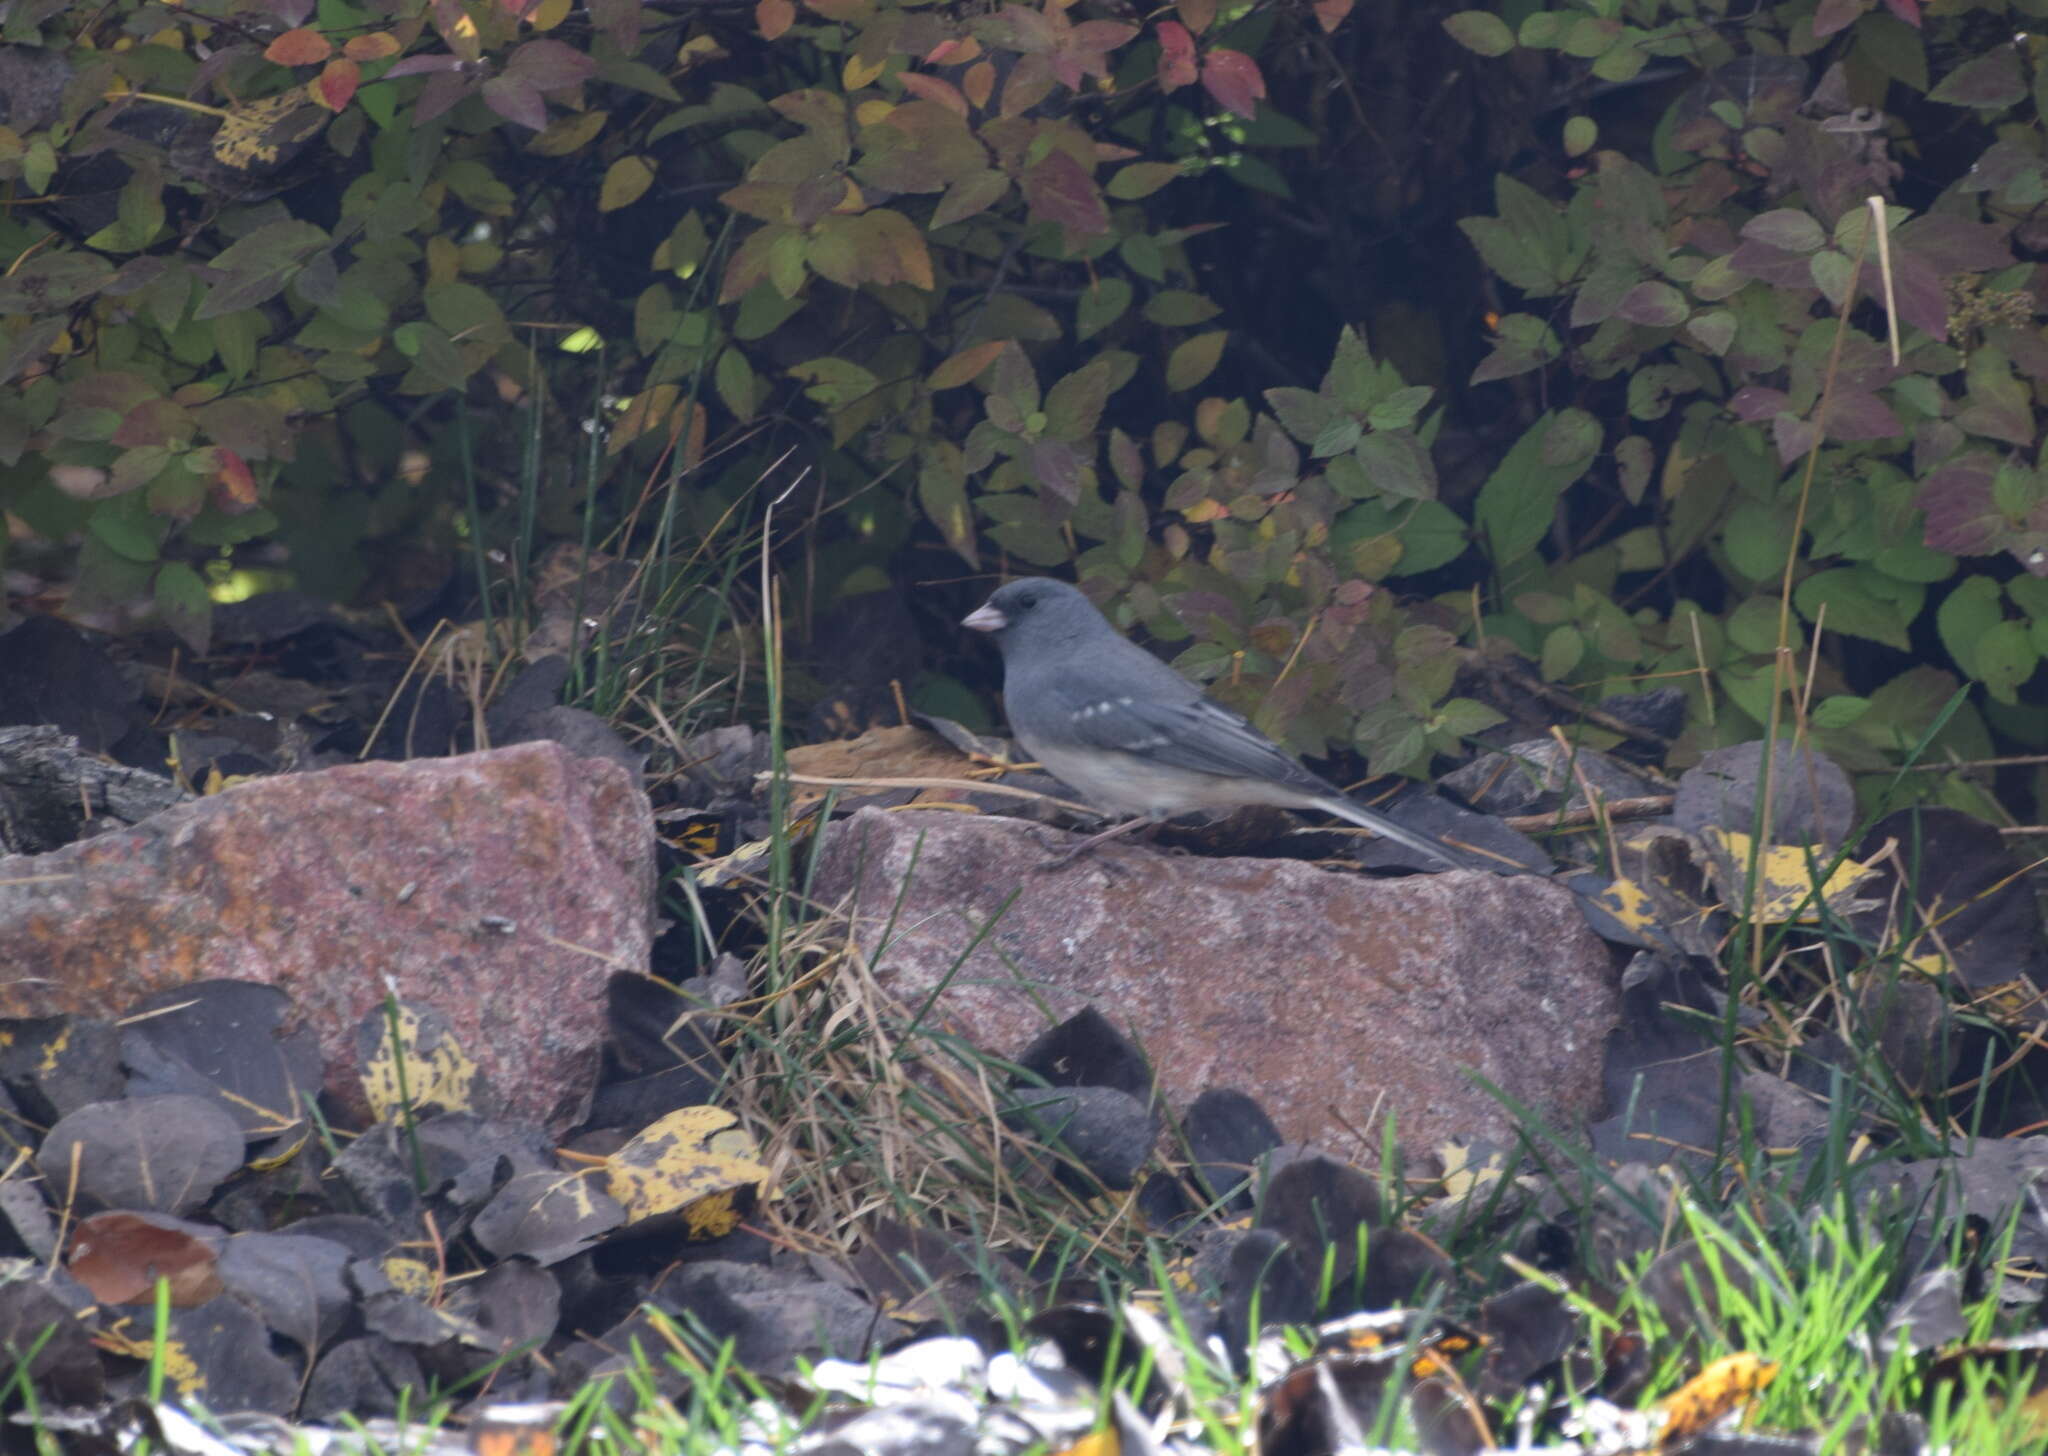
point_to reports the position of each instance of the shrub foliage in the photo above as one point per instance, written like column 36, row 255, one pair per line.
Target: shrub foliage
column 1179, row 299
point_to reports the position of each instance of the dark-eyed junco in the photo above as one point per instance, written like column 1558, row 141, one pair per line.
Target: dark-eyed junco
column 1131, row 735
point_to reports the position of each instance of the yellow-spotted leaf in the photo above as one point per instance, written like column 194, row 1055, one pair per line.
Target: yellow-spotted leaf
column 411, row 1061
column 695, row 1163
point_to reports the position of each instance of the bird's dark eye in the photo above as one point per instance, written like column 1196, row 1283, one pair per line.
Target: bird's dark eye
column 1027, row 602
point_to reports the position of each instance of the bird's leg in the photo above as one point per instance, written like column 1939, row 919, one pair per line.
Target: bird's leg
column 1114, row 831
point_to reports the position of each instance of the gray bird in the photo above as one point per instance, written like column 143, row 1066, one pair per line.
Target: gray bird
column 1134, row 737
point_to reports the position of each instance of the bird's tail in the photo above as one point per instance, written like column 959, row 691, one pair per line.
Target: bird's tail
column 1427, row 845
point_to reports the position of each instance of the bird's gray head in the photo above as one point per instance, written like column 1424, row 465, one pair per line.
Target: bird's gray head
column 1036, row 609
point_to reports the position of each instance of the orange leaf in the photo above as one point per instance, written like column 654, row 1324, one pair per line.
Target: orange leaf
column 336, row 84
column 1330, row 13
column 1199, row 14
column 372, row 47
column 302, row 47
column 931, row 88
column 979, row 83
column 966, row 366
column 773, row 17
column 234, row 486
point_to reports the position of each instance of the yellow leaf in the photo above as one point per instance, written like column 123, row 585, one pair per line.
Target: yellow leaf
column 872, row 110
column 625, row 183
column 674, row 1163
column 1721, row 1387
column 566, row 134
column 549, row 14
column 858, row 73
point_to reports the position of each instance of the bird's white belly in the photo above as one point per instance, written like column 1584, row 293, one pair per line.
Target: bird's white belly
column 1123, row 783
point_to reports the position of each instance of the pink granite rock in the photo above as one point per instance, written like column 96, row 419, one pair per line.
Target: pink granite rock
column 501, row 888
column 1337, row 1000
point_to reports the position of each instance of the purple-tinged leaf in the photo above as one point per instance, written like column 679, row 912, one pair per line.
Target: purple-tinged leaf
column 1962, row 518
column 1956, row 245
column 440, row 93
column 1988, row 83
column 1755, row 402
column 1856, row 414
column 1793, row 437
column 516, row 100
column 1653, row 304
column 550, row 65
column 423, row 65
column 1056, row 465
column 1773, row 265
column 1059, row 189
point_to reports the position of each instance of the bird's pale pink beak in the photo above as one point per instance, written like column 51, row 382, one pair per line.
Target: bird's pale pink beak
column 985, row 618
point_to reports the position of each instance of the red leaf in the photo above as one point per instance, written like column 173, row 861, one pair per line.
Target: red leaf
column 517, row 100
column 336, row 84
column 550, row 65
column 234, row 485
column 773, row 17
column 1906, row 10
column 301, row 47
column 1176, row 56
column 120, row 1257
column 1233, row 78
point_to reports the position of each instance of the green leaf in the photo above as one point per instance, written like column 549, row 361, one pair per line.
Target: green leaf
column 1839, row 711
column 1480, row 31
column 125, row 526
column 1341, row 435
column 1194, row 359
column 1101, row 306
column 1965, row 616
column 1397, row 465
column 1516, row 505
column 1465, row 717
column 1849, row 596
column 1178, row 308
column 1580, row 134
column 1303, row 413
column 182, row 600
column 2006, row 658
column 1399, row 409
column 736, row 383
column 1756, row 538
column 1141, row 179
column 1563, row 649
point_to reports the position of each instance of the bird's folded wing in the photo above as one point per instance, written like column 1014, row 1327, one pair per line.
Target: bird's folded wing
column 1195, row 734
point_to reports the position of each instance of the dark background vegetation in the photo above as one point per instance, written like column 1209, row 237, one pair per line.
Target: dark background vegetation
column 1317, row 342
